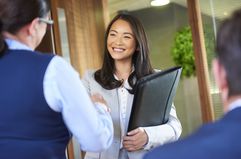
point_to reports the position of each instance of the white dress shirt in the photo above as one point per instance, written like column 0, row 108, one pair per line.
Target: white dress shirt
column 65, row 93
column 123, row 95
column 234, row 104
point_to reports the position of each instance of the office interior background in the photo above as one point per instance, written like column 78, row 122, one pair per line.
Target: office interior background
column 78, row 36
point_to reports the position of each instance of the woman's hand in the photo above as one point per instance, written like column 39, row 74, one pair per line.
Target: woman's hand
column 135, row 139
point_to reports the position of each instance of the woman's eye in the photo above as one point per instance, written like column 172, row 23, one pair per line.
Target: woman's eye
column 127, row 37
column 111, row 34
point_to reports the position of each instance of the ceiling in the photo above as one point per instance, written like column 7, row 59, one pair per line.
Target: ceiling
column 220, row 9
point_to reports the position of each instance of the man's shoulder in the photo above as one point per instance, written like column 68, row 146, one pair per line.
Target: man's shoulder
column 206, row 142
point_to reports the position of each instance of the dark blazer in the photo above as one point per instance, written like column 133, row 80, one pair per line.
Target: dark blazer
column 218, row 140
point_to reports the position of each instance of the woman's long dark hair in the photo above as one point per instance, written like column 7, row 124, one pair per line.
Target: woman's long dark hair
column 14, row 14
column 140, row 59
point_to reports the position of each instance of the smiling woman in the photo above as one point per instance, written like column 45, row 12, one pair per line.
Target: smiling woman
column 126, row 60
column 126, row 33
column 121, row 44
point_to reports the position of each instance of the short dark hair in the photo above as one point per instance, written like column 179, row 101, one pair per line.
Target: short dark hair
column 140, row 60
column 14, row 14
column 228, row 51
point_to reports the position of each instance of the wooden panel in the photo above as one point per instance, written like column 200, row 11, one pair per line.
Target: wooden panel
column 56, row 34
column 200, row 59
column 86, row 33
column 106, row 14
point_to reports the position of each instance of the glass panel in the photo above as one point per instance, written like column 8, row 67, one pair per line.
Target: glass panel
column 63, row 34
column 162, row 24
column 213, row 12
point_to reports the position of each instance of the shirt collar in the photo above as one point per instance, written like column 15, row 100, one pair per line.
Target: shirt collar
column 125, row 82
column 16, row 45
column 235, row 104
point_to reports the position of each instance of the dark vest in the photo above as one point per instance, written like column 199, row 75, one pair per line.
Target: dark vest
column 29, row 128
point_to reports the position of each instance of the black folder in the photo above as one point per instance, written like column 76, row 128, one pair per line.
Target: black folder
column 153, row 98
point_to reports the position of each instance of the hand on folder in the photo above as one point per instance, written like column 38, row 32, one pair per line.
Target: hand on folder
column 135, row 139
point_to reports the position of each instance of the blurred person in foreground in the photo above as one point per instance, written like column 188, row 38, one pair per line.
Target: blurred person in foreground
column 42, row 99
column 220, row 139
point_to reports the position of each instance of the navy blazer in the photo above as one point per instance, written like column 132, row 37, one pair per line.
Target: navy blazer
column 218, row 140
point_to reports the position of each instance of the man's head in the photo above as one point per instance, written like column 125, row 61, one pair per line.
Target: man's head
column 227, row 65
column 23, row 20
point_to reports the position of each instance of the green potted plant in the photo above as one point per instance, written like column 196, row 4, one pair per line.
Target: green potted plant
column 182, row 51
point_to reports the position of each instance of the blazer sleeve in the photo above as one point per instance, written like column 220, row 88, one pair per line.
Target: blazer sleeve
column 161, row 134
